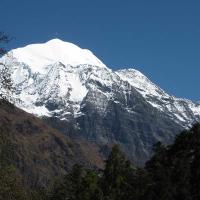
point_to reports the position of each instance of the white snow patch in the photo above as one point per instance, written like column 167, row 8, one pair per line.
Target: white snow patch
column 38, row 111
column 78, row 90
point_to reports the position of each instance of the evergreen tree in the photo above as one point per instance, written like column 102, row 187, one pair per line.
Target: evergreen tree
column 116, row 175
column 90, row 186
column 160, row 187
column 70, row 187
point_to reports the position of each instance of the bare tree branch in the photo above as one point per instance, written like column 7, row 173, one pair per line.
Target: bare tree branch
column 4, row 39
column 5, row 72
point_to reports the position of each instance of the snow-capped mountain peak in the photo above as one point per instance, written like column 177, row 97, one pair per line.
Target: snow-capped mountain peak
column 60, row 80
column 37, row 56
column 58, row 75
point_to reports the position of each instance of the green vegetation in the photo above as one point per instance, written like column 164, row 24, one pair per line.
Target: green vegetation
column 173, row 173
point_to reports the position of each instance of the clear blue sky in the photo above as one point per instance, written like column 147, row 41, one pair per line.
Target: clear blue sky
column 160, row 38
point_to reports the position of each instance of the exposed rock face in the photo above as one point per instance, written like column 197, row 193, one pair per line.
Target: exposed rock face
column 126, row 119
column 72, row 87
column 182, row 111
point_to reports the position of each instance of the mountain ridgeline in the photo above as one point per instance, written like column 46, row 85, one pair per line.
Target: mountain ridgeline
column 76, row 93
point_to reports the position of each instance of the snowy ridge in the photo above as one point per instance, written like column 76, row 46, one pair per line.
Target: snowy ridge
column 179, row 109
column 141, row 83
column 54, row 78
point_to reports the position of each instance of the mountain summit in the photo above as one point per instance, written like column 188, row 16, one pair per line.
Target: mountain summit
column 39, row 55
column 61, row 81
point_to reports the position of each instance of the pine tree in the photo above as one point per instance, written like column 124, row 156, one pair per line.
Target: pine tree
column 70, row 187
column 90, row 186
column 116, row 175
column 160, row 187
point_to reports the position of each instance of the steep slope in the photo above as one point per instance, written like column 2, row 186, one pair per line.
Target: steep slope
column 40, row 152
column 183, row 111
column 60, row 80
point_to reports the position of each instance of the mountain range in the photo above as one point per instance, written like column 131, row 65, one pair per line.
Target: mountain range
column 76, row 93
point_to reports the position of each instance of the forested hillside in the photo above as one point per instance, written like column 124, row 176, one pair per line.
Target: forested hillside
column 39, row 166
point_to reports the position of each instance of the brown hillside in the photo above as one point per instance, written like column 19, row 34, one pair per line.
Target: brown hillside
column 41, row 153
